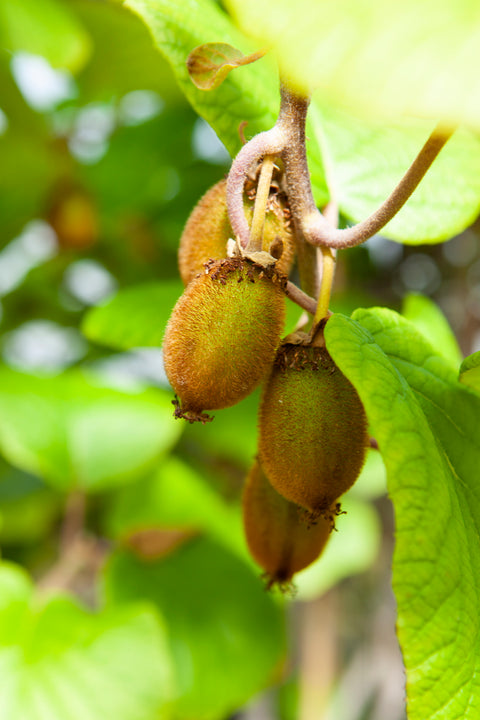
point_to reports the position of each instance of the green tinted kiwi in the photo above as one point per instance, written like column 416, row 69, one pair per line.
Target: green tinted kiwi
column 222, row 336
column 312, row 428
column 278, row 535
column 208, row 229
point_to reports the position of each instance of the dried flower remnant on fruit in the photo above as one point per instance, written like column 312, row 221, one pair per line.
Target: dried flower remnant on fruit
column 279, row 537
column 222, row 336
column 208, row 230
column 313, row 429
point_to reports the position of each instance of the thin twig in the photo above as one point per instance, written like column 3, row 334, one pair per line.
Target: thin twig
column 300, row 298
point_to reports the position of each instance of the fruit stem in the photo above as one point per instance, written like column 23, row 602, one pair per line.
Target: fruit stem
column 328, row 273
column 255, row 242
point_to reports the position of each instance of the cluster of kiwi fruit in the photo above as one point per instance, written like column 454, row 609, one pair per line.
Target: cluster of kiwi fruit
column 223, row 339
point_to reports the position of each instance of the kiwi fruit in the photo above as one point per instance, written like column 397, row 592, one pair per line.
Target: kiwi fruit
column 278, row 535
column 312, row 428
column 208, row 229
column 221, row 339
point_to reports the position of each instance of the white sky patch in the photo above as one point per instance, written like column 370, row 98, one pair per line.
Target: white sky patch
column 89, row 282
column 420, row 273
column 206, row 144
column 90, row 136
column 139, row 106
column 384, row 253
column 35, row 245
column 462, row 250
column 42, row 86
column 138, row 367
column 43, row 345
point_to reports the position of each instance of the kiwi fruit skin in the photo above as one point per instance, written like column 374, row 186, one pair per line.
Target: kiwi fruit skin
column 208, row 229
column 312, row 428
column 221, row 339
column 278, row 534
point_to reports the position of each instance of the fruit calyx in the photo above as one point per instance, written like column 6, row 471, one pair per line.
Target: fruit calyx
column 190, row 416
column 249, row 270
column 266, row 260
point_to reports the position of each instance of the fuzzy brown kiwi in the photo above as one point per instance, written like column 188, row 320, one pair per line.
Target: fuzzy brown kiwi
column 312, row 428
column 222, row 336
column 279, row 538
column 208, row 229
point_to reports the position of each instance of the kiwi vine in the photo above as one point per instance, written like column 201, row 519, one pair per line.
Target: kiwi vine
column 224, row 336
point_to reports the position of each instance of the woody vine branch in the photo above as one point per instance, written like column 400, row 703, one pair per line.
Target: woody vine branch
column 286, row 140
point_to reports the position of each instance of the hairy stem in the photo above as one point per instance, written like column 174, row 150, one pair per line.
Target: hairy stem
column 255, row 243
column 287, row 140
column 319, row 232
column 266, row 143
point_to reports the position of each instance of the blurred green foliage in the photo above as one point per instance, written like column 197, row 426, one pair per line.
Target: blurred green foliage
column 103, row 495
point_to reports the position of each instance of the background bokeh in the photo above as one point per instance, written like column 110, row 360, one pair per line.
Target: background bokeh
column 102, row 160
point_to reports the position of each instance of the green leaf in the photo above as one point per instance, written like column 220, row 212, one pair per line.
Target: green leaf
column 75, row 433
column 226, row 633
column 58, row 661
column 47, row 28
column 176, row 497
column 470, row 371
column 250, row 95
column 426, row 425
column 383, row 59
column 29, row 510
column 432, row 323
column 134, row 317
column 369, row 159
column 177, row 30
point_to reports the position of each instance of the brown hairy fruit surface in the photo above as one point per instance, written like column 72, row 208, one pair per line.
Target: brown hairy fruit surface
column 278, row 535
column 208, row 229
column 222, row 336
column 312, row 428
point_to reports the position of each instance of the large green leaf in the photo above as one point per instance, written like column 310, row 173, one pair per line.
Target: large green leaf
column 75, row 433
column 250, row 93
column 426, row 424
column 45, row 28
column 432, row 323
column 58, row 661
column 417, row 57
column 470, row 371
column 369, row 159
column 226, row 633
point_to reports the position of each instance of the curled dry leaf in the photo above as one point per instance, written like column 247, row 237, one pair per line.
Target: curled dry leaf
column 208, row 65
